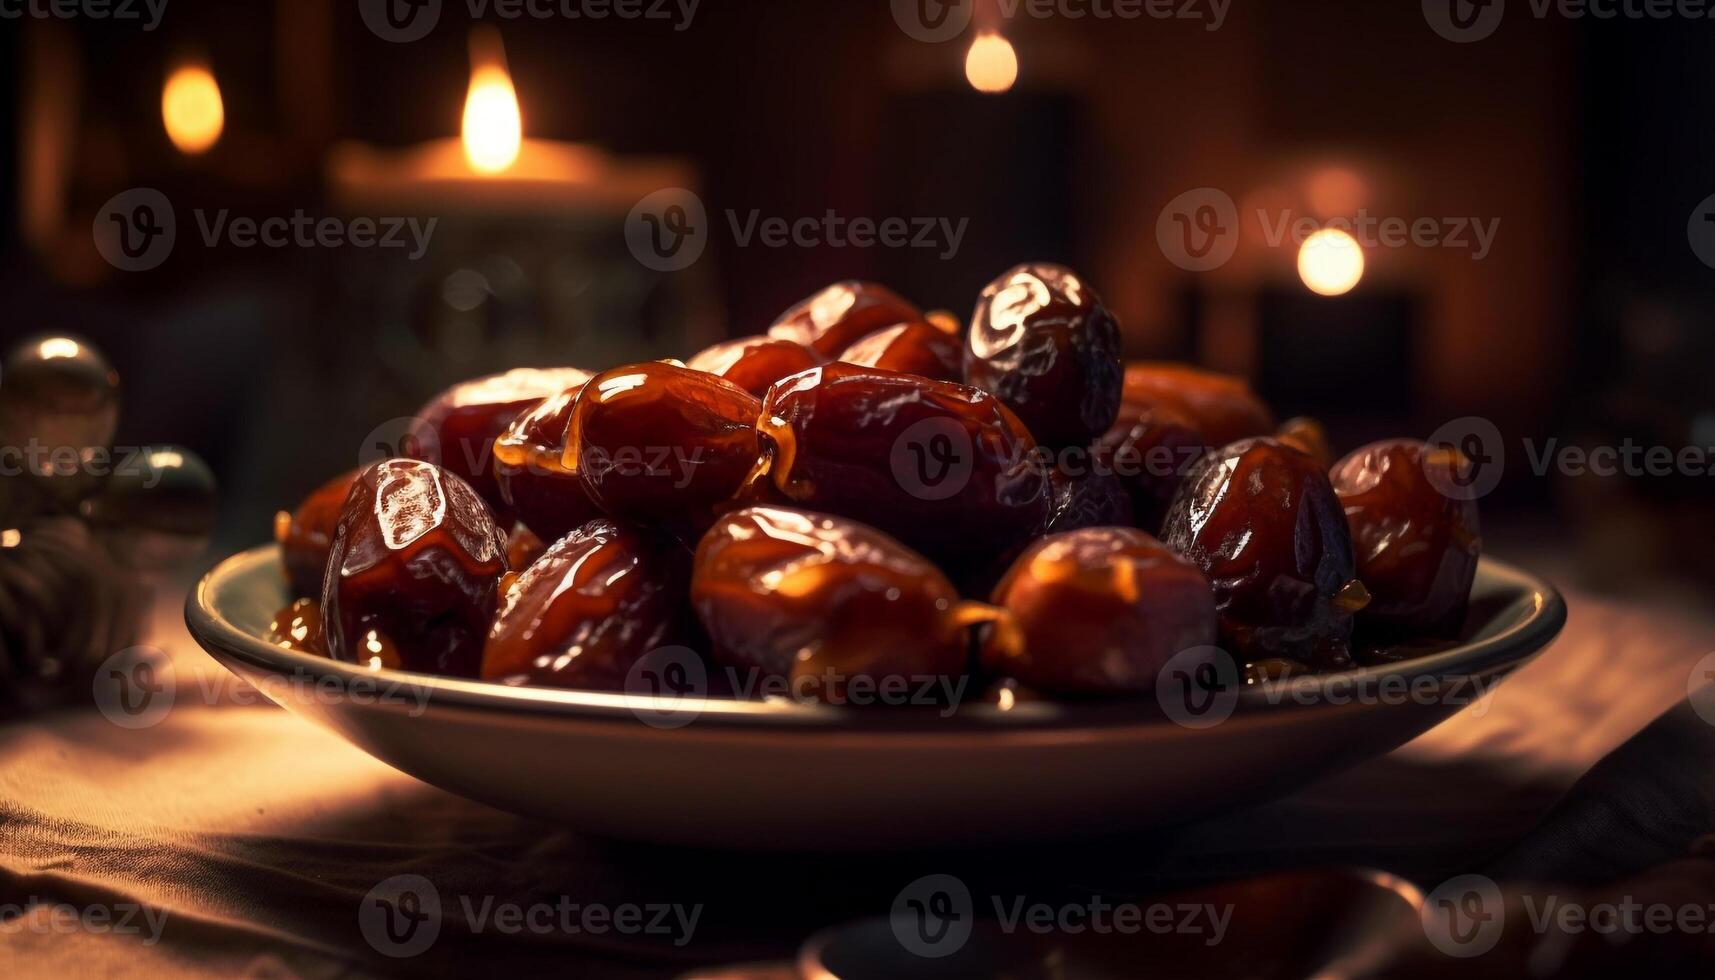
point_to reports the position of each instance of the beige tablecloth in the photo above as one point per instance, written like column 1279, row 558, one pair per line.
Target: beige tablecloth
column 238, row 840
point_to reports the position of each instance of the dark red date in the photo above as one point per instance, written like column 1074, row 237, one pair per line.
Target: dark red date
column 1089, row 500
column 298, row 627
column 662, row 444
column 755, row 363
column 1261, row 520
column 1150, row 449
column 943, row 467
column 826, row 605
column 841, row 315
column 592, row 606
column 1042, row 342
column 529, row 466
column 918, row 347
column 523, row 547
column 1417, row 548
column 1098, row 611
column 414, row 568
column 467, row 418
column 305, row 535
column 1223, row 408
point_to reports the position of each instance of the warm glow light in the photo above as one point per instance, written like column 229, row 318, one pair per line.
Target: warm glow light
column 493, row 127
column 54, row 347
column 991, row 64
column 1331, row 262
column 192, row 109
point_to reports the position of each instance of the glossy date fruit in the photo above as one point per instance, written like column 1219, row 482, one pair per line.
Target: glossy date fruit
column 1222, row 407
column 1042, row 341
column 529, row 467
column 755, row 363
column 841, row 315
column 298, row 627
column 414, row 568
column 1417, row 547
column 662, row 444
column 1261, row 520
column 943, row 467
column 1088, row 500
column 826, row 605
column 585, row 612
column 1150, row 449
column 523, row 547
column 1096, row 611
column 465, row 420
column 305, row 535
column 919, row 347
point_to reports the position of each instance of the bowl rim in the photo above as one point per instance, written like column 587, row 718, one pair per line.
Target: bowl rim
column 1505, row 650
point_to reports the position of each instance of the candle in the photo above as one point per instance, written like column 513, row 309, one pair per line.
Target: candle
column 492, row 165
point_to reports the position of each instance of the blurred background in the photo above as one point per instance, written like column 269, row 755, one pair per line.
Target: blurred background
column 1525, row 199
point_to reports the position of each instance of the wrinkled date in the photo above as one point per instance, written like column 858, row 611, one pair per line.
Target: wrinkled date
column 841, row 315
column 1150, row 449
column 943, row 467
column 1261, row 520
column 529, row 466
column 1223, row 408
column 466, row 418
column 1417, row 548
column 919, row 347
column 306, row 534
column 662, row 444
column 1099, row 610
column 1089, row 500
column 1042, row 341
column 755, row 363
column 415, row 566
column 836, row 610
column 592, row 606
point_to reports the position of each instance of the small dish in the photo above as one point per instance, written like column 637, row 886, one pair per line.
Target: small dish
column 784, row 775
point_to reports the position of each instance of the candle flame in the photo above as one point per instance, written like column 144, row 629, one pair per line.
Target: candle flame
column 493, row 126
column 192, row 109
column 991, row 65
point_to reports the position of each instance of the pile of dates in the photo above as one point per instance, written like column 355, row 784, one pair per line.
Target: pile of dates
column 870, row 498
